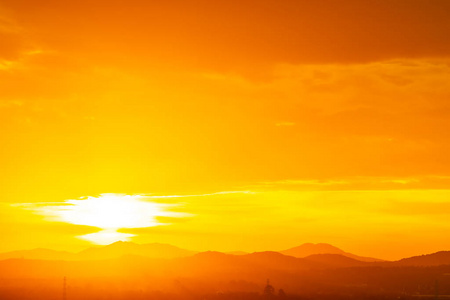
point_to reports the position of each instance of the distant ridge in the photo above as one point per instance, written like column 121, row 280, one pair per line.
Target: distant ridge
column 119, row 249
column 210, row 264
column 434, row 259
column 308, row 249
column 276, row 260
column 321, row 253
column 336, row 260
column 237, row 252
column 115, row 250
column 212, row 271
column 39, row 253
column 157, row 250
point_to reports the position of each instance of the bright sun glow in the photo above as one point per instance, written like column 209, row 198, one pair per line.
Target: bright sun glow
column 110, row 212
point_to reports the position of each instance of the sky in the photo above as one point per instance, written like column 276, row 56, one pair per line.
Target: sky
column 250, row 125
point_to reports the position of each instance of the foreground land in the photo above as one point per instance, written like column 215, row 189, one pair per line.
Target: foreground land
column 219, row 276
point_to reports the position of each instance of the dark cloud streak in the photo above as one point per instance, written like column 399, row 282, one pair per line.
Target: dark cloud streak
column 233, row 36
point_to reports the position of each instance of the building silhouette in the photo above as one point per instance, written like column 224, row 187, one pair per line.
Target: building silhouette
column 269, row 291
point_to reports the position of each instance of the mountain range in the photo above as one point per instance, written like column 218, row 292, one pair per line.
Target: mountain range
column 319, row 254
column 115, row 250
column 156, row 250
column 322, row 248
column 170, row 269
column 216, row 266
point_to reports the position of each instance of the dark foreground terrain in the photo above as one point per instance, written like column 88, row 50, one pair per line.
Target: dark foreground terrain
column 218, row 276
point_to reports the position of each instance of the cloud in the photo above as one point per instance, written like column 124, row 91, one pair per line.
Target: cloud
column 173, row 96
column 13, row 39
column 296, row 32
column 199, row 195
column 357, row 183
column 350, row 120
column 429, row 207
column 285, row 124
column 9, row 103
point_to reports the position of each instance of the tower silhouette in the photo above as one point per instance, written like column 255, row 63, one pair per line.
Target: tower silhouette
column 436, row 289
column 269, row 291
column 64, row 296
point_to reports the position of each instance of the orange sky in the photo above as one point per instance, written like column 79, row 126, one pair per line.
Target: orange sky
column 332, row 116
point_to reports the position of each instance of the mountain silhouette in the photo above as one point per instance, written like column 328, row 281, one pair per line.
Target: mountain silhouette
column 39, row 253
column 320, row 253
column 434, row 259
column 208, row 265
column 264, row 262
column 308, row 249
column 207, row 273
column 211, row 260
column 336, row 260
column 277, row 261
column 115, row 250
column 237, row 252
column 120, row 248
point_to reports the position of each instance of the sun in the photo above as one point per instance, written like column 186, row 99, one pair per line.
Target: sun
column 110, row 212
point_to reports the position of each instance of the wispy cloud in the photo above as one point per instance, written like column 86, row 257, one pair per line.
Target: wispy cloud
column 359, row 183
column 150, row 196
column 285, row 124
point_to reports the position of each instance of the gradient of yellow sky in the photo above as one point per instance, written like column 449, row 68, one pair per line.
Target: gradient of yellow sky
column 334, row 114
